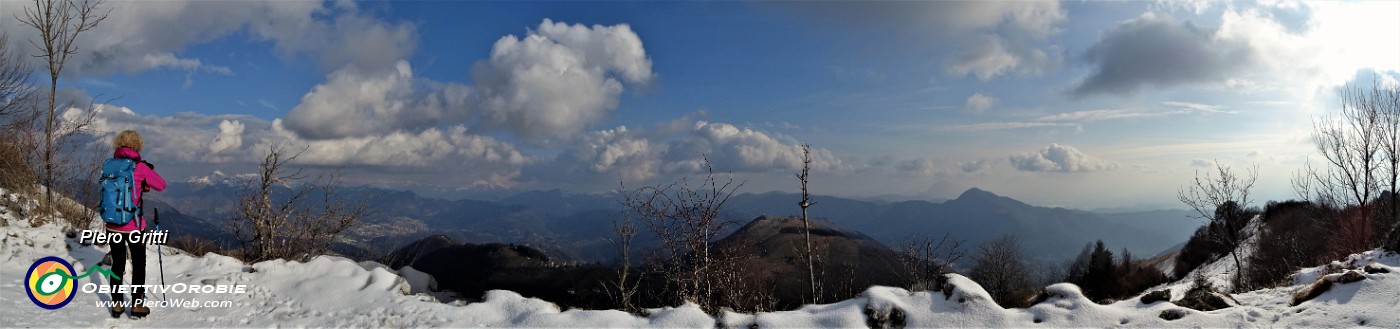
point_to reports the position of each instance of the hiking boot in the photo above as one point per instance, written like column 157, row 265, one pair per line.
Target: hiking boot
column 117, row 311
column 139, row 309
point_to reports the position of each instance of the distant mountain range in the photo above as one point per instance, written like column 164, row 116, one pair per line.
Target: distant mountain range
column 575, row 227
column 1048, row 234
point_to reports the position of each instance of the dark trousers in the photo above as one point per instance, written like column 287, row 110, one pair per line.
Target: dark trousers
column 137, row 251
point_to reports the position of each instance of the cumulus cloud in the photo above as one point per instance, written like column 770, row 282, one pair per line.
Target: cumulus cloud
column 979, row 102
column 1159, row 51
column 740, row 149
column 430, row 147
column 230, row 136
column 616, row 153
column 558, row 79
column 355, row 103
column 1059, row 158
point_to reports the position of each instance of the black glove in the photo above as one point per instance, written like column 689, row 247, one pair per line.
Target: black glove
column 148, row 164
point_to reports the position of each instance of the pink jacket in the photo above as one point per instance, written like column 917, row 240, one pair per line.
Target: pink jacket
column 146, row 178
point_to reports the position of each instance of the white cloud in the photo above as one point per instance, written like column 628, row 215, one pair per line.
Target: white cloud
column 669, row 149
column 1103, row 115
column 1301, row 48
column 181, row 137
column 230, row 136
column 1202, row 163
column 622, row 153
column 1059, row 158
column 992, row 57
column 975, row 166
column 356, row 103
column 431, row 147
column 230, row 141
column 979, row 102
column 731, row 148
column 928, row 167
column 558, row 79
column 1198, row 107
column 168, row 60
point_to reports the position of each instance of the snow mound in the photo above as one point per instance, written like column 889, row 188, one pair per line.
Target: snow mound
column 418, row 281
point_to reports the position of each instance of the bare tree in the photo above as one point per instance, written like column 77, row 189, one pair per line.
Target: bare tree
column 925, row 259
column 1385, row 99
column 686, row 219
column 59, row 23
column 1221, row 200
column 1000, row 268
column 15, row 89
column 1361, row 146
column 625, row 288
column 289, row 228
column 806, row 226
column 15, row 86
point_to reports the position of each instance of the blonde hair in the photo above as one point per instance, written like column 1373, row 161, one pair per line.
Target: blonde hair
column 128, row 138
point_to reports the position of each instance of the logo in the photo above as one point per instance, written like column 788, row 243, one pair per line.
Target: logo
column 49, row 282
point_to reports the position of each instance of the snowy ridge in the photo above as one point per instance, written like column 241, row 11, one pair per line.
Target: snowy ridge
column 335, row 292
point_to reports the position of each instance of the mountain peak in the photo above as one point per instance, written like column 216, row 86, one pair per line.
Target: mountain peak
column 976, row 193
column 980, row 196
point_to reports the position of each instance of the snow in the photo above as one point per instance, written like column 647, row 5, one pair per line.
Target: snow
column 418, row 281
column 337, row 292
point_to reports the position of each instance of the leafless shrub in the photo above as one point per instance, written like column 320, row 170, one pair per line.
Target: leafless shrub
column 738, row 286
column 1295, row 235
column 16, row 172
column 924, row 260
column 195, row 245
column 686, row 219
column 1001, row 269
column 288, row 228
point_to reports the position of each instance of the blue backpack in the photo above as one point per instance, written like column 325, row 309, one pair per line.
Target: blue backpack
column 116, row 187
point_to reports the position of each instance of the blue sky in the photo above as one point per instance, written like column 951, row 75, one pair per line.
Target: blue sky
column 1084, row 104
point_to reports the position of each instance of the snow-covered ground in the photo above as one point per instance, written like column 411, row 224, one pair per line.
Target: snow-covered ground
column 336, row 292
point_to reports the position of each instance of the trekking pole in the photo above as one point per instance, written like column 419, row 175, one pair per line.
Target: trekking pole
column 160, row 256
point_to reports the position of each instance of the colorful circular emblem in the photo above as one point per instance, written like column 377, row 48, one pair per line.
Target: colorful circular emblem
column 49, row 282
